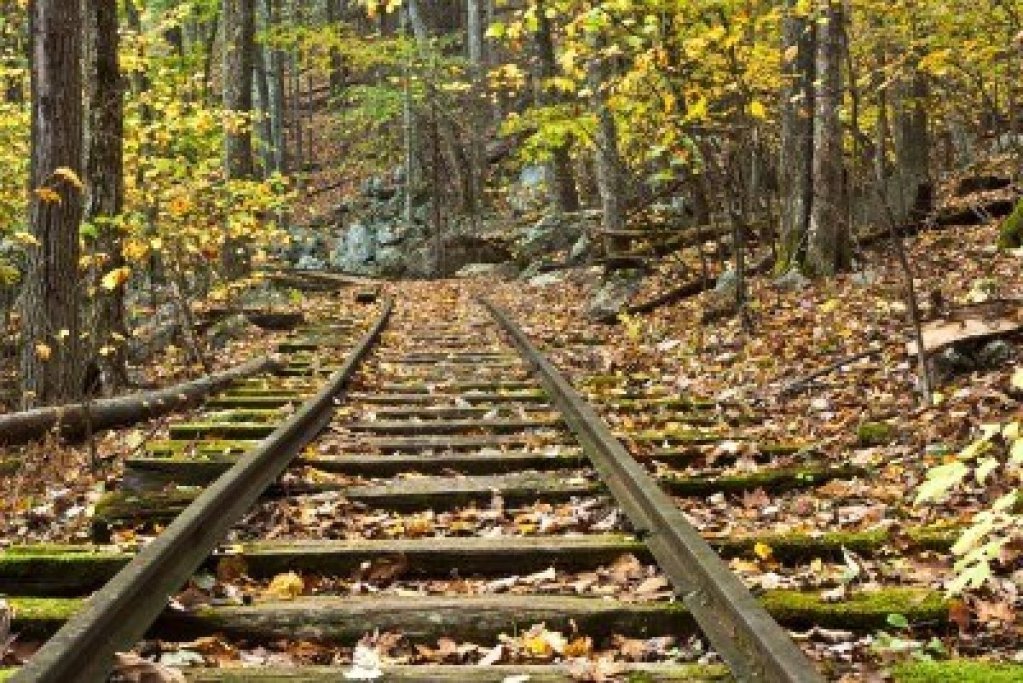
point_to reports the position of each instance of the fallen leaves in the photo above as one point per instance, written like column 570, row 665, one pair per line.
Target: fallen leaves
column 287, row 586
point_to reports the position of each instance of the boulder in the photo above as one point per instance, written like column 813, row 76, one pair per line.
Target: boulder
column 529, row 193
column 614, row 295
column 550, row 234
column 792, row 281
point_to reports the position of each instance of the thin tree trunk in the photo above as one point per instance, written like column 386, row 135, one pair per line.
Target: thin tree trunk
column 560, row 182
column 795, row 163
column 51, row 367
column 827, row 238
column 478, row 108
column 239, row 36
column 609, row 162
column 105, row 177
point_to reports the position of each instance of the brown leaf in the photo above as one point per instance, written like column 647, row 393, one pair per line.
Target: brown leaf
column 959, row 614
column 231, row 568
column 133, row 669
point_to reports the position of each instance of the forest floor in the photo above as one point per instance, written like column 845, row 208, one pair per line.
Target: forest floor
column 745, row 377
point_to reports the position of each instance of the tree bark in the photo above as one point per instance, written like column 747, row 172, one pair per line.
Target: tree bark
column 51, row 367
column 105, row 178
column 828, row 233
column 560, row 182
column 913, row 143
column 796, row 159
column 239, row 38
column 608, row 159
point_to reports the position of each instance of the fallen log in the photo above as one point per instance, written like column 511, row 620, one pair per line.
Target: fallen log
column 76, row 420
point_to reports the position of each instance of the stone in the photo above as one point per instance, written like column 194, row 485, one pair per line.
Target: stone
column 994, row 354
column 581, row 250
column 550, row 234
column 545, row 280
column 529, row 193
column 390, row 233
column 614, row 295
column 491, row 270
column 792, row 281
column 865, row 278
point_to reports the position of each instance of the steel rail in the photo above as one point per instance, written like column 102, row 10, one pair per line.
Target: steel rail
column 755, row 646
column 117, row 616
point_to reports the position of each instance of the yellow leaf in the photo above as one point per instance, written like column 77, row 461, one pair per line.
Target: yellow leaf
column 790, row 54
column 757, row 110
column 285, row 587
column 43, row 352
column 47, row 195
column 26, row 238
column 1017, row 379
column 829, row 306
column 115, row 278
column 70, row 176
column 762, row 550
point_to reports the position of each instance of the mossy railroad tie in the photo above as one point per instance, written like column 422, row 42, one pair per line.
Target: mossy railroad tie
column 482, row 618
column 156, row 473
column 772, row 480
column 420, row 493
column 221, row 430
column 43, row 569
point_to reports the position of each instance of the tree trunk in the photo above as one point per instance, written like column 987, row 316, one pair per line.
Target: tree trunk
column 828, row 233
column 913, row 143
column 239, row 38
column 608, row 160
column 478, row 108
column 560, row 182
column 275, row 76
column 795, row 163
column 105, row 177
column 51, row 363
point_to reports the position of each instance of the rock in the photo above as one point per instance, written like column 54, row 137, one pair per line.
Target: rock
column 865, row 278
column 223, row 331
column 494, row 270
column 356, row 251
column 390, row 233
column 529, row 193
column 581, row 250
column 310, row 262
column 391, row 261
column 545, row 280
column 792, row 281
column 550, row 234
column 727, row 286
column 614, row 295
column 950, row 363
column 994, row 354
column 461, row 250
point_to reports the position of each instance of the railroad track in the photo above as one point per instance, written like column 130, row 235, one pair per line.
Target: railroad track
column 426, row 488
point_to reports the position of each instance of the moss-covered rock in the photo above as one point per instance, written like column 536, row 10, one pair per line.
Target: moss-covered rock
column 1010, row 235
column 875, row 434
column 959, row 671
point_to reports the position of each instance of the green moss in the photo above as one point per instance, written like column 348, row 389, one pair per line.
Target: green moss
column 957, row 670
column 9, row 466
column 785, row 479
column 245, row 415
column 227, row 430
column 41, row 617
column 47, row 570
column 160, row 506
column 211, row 448
column 859, row 612
column 804, row 547
column 1010, row 235
column 875, row 434
column 7, row 674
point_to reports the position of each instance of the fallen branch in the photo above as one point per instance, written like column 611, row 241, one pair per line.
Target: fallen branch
column 795, row 385
column 74, row 421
